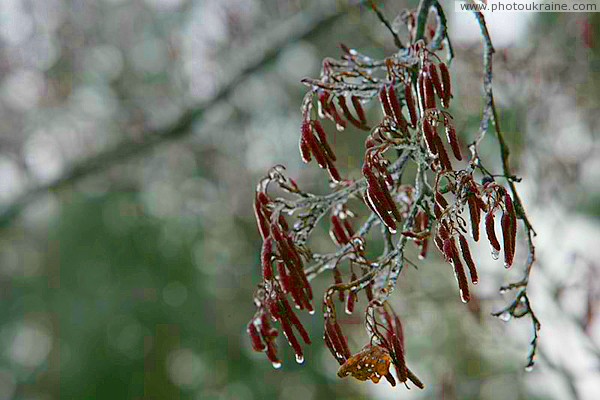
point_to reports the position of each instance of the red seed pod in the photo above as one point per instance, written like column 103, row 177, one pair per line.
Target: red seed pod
column 335, row 116
column 378, row 206
column 447, row 88
column 435, row 79
column 261, row 221
column 453, row 140
column 475, row 213
column 410, row 104
column 466, row 254
column 397, row 110
column 293, row 318
column 342, row 339
column 391, row 205
column 421, row 88
column 448, row 250
column 272, row 354
column 337, row 277
column 429, row 134
column 359, row 110
column 291, row 338
column 265, row 327
column 509, row 251
column 350, row 303
column 349, row 116
column 283, row 277
column 437, row 210
column 510, row 209
column 383, row 99
column 337, row 231
column 333, row 172
column 442, row 154
column 327, row 340
column 489, row 229
column 337, row 341
column 323, row 139
column 257, row 344
column 266, row 254
column 429, row 94
column 459, row 271
column 439, row 198
column 304, row 150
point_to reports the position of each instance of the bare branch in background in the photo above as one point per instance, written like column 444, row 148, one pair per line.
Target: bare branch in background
column 259, row 54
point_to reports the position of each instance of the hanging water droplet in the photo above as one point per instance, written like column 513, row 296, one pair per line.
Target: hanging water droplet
column 505, row 316
column 475, row 282
column 462, row 296
column 311, row 312
column 297, row 307
column 495, row 253
column 276, row 365
column 503, row 290
column 529, row 368
column 339, row 127
column 299, row 358
column 507, row 265
column 392, row 231
column 348, row 311
column 421, row 257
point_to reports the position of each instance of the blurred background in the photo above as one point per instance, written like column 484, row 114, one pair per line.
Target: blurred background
column 132, row 133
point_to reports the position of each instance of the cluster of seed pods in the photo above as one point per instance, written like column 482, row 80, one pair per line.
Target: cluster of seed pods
column 412, row 95
column 279, row 249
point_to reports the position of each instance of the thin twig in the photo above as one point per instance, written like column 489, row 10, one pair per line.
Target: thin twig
column 490, row 114
column 387, row 24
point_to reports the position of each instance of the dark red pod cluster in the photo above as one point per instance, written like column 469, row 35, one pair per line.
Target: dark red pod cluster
column 318, row 147
column 377, row 194
column 391, row 107
column 262, row 336
column 452, row 139
column 291, row 269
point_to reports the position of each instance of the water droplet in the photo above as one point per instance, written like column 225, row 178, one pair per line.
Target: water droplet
column 505, row 316
column 495, row 253
column 276, row 365
column 392, row 231
column 462, row 297
column 311, row 312
column 503, row 290
column 529, row 368
column 339, row 127
column 507, row 265
column 348, row 311
column 299, row 358
column 475, row 282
